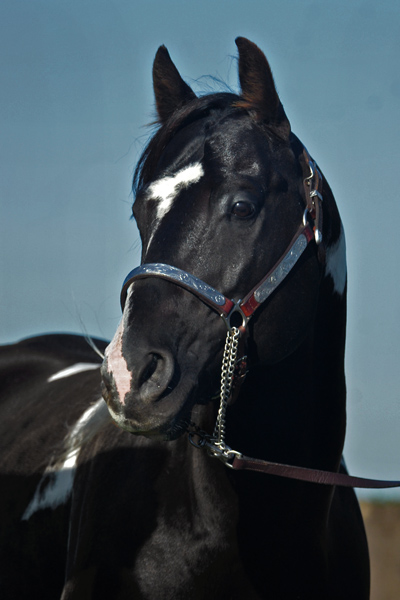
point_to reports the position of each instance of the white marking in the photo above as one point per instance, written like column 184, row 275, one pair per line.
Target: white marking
column 336, row 263
column 116, row 361
column 73, row 370
column 60, row 474
column 166, row 189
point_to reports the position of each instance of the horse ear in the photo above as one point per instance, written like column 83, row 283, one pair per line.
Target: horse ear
column 170, row 91
column 259, row 94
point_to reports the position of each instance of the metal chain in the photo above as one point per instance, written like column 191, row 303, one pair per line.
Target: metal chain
column 215, row 444
column 227, row 373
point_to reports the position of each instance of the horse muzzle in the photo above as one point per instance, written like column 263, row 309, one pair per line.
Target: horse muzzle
column 147, row 401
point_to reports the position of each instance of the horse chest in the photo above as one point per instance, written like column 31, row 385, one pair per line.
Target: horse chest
column 162, row 542
column 197, row 564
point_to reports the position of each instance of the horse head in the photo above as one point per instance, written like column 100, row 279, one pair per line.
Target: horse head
column 219, row 195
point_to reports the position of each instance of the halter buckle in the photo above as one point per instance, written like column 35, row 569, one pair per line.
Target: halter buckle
column 214, row 448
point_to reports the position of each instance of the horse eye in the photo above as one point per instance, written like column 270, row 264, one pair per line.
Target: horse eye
column 242, row 209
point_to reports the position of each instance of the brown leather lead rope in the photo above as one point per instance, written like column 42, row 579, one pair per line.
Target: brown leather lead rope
column 239, row 462
column 310, row 475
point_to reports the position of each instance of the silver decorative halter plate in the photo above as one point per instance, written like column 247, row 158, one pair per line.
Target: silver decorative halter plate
column 283, row 269
column 193, row 284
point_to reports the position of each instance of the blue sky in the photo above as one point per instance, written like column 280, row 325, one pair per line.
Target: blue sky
column 75, row 95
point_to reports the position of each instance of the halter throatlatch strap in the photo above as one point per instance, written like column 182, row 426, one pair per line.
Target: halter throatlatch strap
column 312, row 187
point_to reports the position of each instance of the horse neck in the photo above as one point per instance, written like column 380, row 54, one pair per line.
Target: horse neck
column 294, row 411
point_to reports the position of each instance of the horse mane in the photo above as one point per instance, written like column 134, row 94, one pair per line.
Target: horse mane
column 194, row 110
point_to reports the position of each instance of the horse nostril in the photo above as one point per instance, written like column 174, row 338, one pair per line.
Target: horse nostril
column 156, row 379
column 150, row 368
column 173, row 382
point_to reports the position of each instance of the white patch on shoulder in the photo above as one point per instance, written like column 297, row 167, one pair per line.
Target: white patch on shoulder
column 166, row 189
column 55, row 486
column 73, row 370
column 336, row 263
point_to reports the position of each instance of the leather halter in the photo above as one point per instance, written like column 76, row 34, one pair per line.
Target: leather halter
column 226, row 308
column 216, row 300
column 231, row 310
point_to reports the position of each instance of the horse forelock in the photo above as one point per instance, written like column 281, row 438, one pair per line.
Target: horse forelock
column 197, row 109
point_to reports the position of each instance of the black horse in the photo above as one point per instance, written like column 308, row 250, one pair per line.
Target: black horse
column 229, row 205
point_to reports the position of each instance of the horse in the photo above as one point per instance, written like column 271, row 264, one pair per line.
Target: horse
column 231, row 344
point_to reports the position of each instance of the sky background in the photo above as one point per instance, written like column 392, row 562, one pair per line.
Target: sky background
column 75, row 98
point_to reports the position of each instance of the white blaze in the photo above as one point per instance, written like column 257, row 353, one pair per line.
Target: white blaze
column 165, row 190
column 116, row 362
